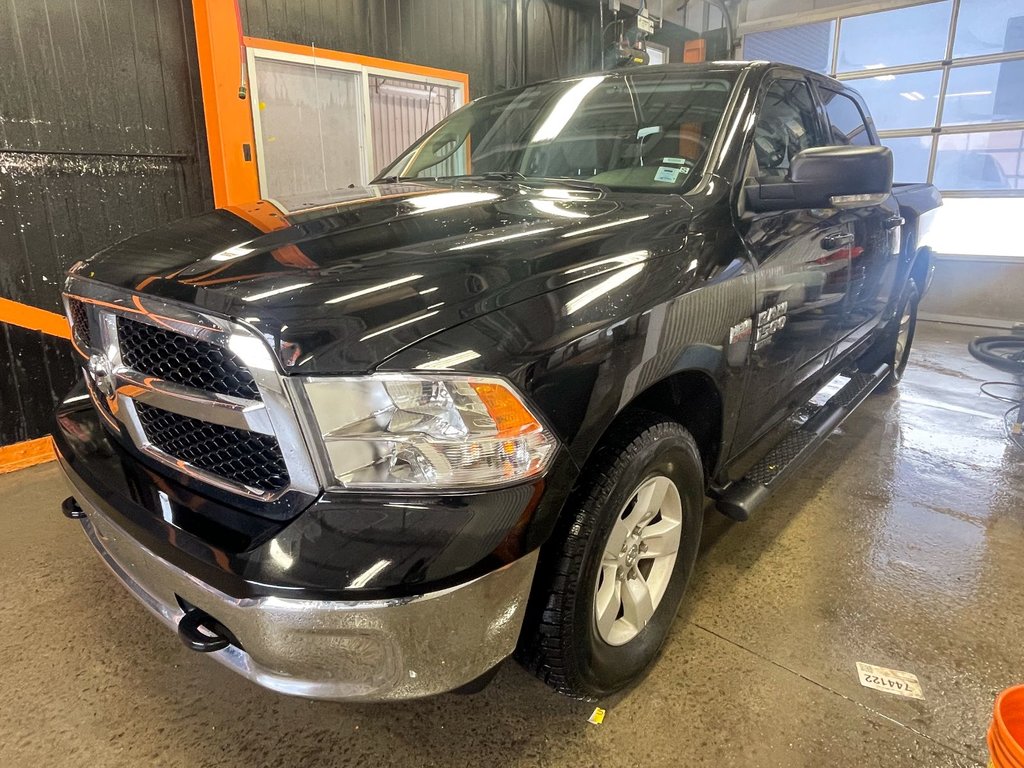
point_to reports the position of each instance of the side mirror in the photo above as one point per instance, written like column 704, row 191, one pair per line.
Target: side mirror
column 827, row 177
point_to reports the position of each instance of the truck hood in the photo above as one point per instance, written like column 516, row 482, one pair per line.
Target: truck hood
column 338, row 284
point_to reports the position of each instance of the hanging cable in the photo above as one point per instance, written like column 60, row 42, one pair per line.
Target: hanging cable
column 729, row 38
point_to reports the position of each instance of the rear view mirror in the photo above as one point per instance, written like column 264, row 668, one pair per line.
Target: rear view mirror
column 827, row 177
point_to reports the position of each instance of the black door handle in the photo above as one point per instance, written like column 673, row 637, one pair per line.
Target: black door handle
column 837, row 240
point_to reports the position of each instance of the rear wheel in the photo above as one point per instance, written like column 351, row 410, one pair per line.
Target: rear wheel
column 617, row 572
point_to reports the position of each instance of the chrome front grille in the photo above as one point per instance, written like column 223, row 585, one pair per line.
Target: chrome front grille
column 79, row 319
column 247, row 458
column 197, row 392
column 177, row 358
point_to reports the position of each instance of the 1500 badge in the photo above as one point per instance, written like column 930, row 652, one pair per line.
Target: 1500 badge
column 769, row 322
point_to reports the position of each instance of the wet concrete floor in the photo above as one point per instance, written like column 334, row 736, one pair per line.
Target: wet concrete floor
column 899, row 545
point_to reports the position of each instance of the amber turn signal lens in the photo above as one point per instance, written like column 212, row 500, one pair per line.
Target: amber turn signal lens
column 510, row 416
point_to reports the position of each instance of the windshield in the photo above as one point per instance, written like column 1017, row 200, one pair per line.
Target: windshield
column 638, row 131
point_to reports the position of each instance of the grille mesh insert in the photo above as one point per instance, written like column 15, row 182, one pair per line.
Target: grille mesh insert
column 80, row 321
column 248, row 458
column 183, row 360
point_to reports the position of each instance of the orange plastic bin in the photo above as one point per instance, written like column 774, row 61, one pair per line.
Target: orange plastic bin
column 1006, row 735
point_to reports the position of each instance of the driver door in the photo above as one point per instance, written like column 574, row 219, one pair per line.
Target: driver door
column 802, row 259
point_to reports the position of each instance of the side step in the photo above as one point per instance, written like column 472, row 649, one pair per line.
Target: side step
column 737, row 500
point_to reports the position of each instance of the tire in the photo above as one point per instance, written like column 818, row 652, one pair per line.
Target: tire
column 894, row 346
column 561, row 640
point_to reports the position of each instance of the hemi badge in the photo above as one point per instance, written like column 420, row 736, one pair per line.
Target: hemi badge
column 740, row 331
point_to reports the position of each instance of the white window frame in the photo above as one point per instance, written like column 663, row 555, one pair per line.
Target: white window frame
column 364, row 71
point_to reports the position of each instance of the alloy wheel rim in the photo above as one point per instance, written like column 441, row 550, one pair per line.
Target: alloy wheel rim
column 638, row 559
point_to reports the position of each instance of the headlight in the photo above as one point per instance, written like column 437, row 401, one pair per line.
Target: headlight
column 417, row 432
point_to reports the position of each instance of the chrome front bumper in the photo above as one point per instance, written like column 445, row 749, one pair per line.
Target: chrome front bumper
column 358, row 650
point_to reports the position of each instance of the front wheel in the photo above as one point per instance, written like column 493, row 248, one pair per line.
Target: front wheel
column 617, row 572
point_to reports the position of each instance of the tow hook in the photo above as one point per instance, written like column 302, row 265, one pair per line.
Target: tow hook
column 71, row 509
column 201, row 632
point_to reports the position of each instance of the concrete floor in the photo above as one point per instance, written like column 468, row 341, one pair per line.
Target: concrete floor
column 900, row 545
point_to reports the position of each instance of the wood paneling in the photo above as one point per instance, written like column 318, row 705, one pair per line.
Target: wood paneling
column 99, row 139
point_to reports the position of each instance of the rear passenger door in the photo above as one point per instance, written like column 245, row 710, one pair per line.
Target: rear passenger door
column 801, row 256
column 874, row 252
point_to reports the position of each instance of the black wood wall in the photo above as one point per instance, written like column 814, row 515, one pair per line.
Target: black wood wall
column 478, row 37
column 102, row 136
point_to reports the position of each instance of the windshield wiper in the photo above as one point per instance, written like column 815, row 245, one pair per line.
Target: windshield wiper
column 564, row 181
column 395, row 179
column 503, row 176
column 576, row 183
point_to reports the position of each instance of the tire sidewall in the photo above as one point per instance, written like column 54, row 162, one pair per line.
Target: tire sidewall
column 911, row 298
column 602, row 667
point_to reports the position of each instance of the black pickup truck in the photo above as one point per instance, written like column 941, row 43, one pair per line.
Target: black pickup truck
column 367, row 445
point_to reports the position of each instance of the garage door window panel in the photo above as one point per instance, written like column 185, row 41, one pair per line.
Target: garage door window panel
column 986, row 160
column 910, row 157
column 896, row 38
column 986, row 27
column 901, row 102
column 989, row 93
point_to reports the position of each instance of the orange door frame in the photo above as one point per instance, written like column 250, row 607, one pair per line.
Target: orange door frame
column 227, row 111
column 29, row 452
column 229, row 135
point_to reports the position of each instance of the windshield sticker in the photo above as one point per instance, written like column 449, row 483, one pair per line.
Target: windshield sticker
column 666, row 174
column 674, row 160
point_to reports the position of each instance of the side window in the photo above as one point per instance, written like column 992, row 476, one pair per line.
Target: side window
column 788, row 123
column 845, row 119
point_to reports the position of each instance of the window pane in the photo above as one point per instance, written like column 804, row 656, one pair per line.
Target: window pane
column 892, row 38
column 403, row 110
column 984, row 160
column 910, row 157
column 644, row 131
column 808, row 46
column 845, row 119
column 901, row 101
column 310, row 127
column 989, row 26
column 989, row 93
column 787, row 124
column 977, row 226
